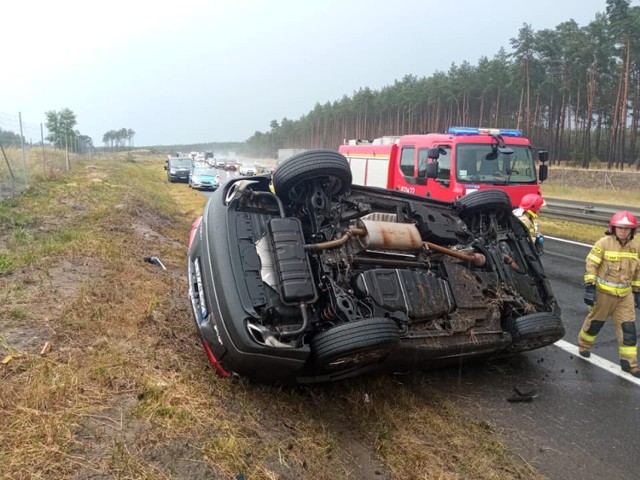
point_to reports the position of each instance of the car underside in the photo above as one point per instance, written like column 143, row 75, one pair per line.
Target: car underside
column 324, row 280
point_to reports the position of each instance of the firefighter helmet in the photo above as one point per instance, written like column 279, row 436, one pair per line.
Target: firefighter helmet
column 531, row 201
column 623, row 218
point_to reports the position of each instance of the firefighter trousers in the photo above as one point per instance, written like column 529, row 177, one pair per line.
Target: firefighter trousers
column 621, row 310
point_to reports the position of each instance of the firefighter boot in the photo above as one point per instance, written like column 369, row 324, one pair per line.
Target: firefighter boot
column 626, row 367
column 629, row 350
column 587, row 336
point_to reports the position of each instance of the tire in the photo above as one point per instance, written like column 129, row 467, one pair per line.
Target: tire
column 483, row 201
column 355, row 344
column 534, row 331
column 327, row 166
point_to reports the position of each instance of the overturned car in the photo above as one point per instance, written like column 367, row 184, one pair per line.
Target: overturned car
column 323, row 280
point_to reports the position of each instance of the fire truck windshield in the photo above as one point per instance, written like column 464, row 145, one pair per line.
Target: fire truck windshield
column 482, row 163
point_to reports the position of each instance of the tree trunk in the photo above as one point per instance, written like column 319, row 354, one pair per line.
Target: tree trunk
column 520, row 109
column 623, row 109
column 495, row 120
column 634, row 121
column 591, row 95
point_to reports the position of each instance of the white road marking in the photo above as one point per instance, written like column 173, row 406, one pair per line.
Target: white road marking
column 566, row 257
column 598, row 362
column 569, row 241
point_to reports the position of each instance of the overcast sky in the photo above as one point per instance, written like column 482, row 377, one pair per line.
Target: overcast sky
column 193, row 71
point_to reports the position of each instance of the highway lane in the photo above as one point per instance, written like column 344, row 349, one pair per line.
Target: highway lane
column 584, row 422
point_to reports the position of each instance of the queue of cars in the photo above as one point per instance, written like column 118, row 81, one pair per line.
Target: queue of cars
column 198, row 169
column 198, row 174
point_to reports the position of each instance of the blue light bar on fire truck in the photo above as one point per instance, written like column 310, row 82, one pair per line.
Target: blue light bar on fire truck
column 505, row 132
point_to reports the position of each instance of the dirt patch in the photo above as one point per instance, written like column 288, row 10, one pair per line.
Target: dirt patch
column 109, row 441
column 23, row 338
column 147, row 232
column 64, row 280
column 149, row 226
column 96, row 172
column 26, row 325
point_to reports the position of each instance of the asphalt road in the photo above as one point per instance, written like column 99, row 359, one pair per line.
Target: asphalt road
column 584, row 421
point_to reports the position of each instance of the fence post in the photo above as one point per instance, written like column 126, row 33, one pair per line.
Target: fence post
column 44, row 160
column 66, row 147
column 24, row 156
column 13, row 178
column 607, row 179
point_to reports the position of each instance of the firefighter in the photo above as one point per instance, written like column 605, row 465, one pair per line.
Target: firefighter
column 272, row 189
column 527, row 212
column 612, row 289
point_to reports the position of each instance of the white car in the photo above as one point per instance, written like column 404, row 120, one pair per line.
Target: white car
column 247, row 170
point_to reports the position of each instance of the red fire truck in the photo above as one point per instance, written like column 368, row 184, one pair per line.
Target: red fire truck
column 449, row 165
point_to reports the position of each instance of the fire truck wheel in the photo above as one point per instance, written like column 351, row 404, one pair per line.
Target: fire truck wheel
column 490, row 200
column 329, row 167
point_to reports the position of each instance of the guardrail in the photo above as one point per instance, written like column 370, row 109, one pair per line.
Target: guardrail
column 580, row 211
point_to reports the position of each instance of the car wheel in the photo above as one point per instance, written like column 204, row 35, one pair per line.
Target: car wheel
column 535, row 330
column 490, row 200
column 327, row 166
column 354, row 344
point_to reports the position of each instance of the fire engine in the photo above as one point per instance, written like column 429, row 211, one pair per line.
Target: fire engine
column 447, row 166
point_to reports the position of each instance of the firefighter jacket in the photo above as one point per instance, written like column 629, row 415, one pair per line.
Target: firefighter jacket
column 530, row 221
column 614, row 268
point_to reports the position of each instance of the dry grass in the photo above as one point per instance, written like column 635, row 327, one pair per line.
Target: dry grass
column 570, row 230
column 126, row 392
